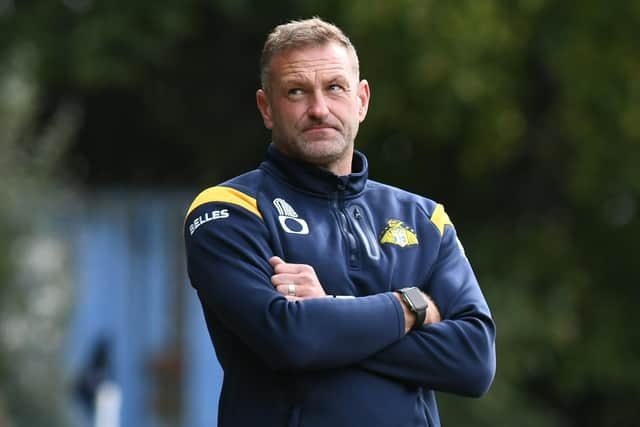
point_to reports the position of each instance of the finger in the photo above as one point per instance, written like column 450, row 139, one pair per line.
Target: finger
column 290, row 290
column 282, row 289
column 284, row 278
column 275, row 260
column 280, row 266
column 287, row 267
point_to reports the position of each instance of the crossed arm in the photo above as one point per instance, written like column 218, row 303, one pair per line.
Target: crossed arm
column 303, row 279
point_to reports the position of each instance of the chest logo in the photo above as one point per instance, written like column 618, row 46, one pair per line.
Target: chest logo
column 397, row 233
column 288, row 217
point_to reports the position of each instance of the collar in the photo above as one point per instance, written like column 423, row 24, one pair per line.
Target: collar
column 311, row 178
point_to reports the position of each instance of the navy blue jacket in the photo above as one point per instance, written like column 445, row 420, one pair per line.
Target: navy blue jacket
column 334, row 362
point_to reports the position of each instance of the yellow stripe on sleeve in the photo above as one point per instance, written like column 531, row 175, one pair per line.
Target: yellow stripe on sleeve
column 226, row 195
column 439, row 218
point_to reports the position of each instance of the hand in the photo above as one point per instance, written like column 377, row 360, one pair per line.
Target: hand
column 299, row 279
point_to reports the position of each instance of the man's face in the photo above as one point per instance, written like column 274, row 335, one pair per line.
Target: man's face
column 314, row 105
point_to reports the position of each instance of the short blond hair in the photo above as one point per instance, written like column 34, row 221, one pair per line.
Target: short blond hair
column 300, row 34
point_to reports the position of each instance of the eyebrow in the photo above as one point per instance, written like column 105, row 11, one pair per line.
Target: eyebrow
column 302, row 78
column 295, row 78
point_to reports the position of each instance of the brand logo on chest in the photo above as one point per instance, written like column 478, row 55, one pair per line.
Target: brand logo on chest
column 397, row 233
column 288, row 218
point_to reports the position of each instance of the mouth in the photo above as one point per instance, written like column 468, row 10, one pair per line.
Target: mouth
column 318, row 134
column 319, row 129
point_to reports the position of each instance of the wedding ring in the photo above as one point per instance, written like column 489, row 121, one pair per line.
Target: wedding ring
column 291, row 289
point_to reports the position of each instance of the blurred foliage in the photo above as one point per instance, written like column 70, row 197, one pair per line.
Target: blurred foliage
column 522, row 116
column 33, row 295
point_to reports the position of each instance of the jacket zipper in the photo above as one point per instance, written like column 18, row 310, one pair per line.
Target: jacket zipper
column 345, row 227
column 363, row 229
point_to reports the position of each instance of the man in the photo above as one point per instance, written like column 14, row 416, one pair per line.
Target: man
column 331, row 299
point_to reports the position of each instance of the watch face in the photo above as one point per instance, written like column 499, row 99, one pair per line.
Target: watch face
column 416, row 298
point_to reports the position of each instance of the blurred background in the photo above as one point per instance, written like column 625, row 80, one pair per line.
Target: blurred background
column 521, row 116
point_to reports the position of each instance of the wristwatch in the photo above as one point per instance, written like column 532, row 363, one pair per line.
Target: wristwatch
column 417, row 303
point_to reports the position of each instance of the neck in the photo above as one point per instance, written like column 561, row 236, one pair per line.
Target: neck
column 341, row 167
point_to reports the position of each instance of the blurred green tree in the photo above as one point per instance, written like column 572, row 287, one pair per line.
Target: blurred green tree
column 33, row 302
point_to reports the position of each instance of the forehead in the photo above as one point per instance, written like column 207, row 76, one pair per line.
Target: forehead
column 327, row 58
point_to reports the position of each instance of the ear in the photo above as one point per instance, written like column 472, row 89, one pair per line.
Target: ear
column 364, row 94
column 265, row 108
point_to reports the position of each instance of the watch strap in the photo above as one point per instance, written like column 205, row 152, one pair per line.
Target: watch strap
column 421, row 315
column 420, row 310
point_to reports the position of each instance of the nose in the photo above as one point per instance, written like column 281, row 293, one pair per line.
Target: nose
column 318, row 108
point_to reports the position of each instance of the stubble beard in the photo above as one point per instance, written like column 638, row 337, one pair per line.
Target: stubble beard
column 323, row 153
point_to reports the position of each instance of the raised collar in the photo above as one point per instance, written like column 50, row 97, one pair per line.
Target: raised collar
column 312, row 179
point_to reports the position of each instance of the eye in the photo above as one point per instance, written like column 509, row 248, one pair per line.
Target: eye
column 296, row 91
column 336, row 88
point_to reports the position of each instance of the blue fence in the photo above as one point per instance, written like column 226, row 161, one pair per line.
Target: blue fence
column 136, row 320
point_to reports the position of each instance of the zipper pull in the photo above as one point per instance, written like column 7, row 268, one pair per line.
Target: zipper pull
column 356, row 213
